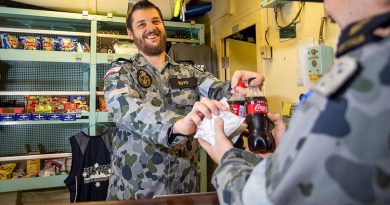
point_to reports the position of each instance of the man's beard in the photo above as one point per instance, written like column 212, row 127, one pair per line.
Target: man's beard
column 148, row 49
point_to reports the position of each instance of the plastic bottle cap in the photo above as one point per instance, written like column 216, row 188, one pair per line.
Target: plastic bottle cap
column 241, row 84
column 250, row 80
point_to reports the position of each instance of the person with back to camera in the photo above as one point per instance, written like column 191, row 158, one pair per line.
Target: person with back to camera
column 156, row 108
column 337, row 147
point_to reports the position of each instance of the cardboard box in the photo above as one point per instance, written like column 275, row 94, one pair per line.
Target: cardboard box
column 33, row 167
column 11, row 110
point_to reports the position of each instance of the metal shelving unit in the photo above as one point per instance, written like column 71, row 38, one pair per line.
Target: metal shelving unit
column 37, row 156
column 44, row 56
column 43, row 93
column 44, row 122
column 61, row 73
column 32, row 183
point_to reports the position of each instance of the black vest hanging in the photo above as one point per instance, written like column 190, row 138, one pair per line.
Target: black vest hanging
column 90, row 171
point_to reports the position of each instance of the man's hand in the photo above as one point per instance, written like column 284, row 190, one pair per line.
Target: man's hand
column 222, row 143
column 204, row 108
column 277, row 131
column 242, row 75
column 280, row 127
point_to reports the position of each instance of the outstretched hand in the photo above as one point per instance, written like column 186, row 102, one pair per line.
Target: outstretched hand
column 242, row 75
column 277, row 132
column 204, row 108
column 222, row 143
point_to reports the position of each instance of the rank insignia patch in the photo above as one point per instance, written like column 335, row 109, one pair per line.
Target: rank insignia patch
column 144, row 78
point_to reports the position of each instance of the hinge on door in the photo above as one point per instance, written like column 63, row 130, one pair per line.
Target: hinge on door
column 225, row 62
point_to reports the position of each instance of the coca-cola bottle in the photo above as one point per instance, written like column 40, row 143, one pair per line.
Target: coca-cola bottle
column 237, row 102
column 260, row 138
column 237, row 106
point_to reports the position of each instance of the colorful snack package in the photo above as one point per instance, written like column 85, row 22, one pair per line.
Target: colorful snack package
column 57, row 103
column 30, row 42
column 68, row 44
column 6, row 170
column 102, row 104
column 70, row 107
column 81, row 103
column 9, row 41
column 31, row 102
column 48, row 44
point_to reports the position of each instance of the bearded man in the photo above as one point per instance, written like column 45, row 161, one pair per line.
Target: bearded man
column 156, row 107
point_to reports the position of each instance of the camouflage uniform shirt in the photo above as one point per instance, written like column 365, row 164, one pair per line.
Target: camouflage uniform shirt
column 337, row 147
column 145, row 106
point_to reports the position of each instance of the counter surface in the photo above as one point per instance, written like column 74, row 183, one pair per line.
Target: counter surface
column 209, row 198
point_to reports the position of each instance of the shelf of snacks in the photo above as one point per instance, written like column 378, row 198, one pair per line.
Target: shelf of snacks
column 40, row 108
column 35, row 156
column 32, row 183
column 44, row 122
column 44, row 45
column 44, row 56
column 33, row 171
column 41, row 31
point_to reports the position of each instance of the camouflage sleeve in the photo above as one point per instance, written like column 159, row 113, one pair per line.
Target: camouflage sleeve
column 212, row 87
column 232, row 174
column 144, row 118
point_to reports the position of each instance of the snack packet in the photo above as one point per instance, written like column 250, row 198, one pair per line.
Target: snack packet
column 30, row 42
column 234, row 126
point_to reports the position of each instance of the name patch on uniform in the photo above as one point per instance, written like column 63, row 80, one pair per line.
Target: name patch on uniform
column 144, row 78
column 176, row 83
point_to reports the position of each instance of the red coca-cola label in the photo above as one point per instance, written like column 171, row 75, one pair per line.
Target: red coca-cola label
column 237, row 109
column 256, row 106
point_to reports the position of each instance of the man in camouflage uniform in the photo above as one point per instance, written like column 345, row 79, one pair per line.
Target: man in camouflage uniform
column 155, row 108
column 337, row 147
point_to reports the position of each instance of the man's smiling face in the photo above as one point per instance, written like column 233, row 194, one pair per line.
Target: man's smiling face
column 148, row 32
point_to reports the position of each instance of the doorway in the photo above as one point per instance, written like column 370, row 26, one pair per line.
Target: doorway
column 240, row 52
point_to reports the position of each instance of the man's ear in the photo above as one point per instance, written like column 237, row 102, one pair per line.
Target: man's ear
column 130, row 34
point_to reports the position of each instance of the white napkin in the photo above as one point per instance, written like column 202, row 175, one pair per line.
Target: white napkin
column 233, row 126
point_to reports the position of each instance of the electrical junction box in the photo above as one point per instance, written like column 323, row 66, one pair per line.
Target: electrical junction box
column 320, row 60
column 288, row 32
column 272, row 3
column 266, row 52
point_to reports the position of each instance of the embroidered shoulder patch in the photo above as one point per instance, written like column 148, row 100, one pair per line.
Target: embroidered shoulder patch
column 338, row 75
column 144, row 78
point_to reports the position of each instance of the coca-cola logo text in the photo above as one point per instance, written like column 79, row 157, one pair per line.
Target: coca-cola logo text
column 261, row 108
column 256, row 108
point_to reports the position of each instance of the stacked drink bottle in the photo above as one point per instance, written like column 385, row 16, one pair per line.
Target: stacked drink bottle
column 237, row 106
column 260, row 139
